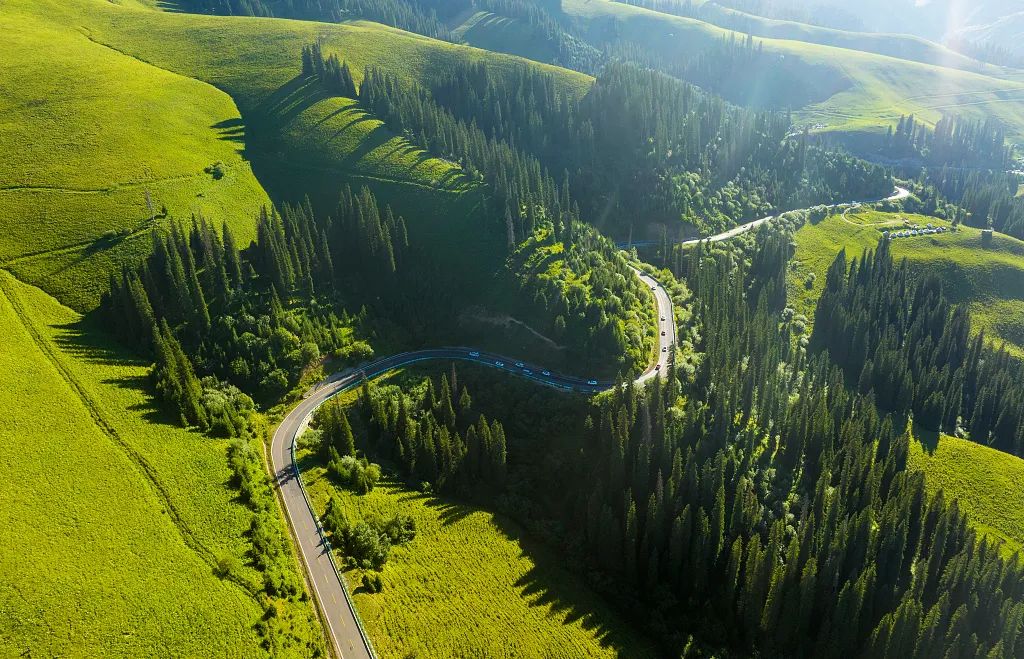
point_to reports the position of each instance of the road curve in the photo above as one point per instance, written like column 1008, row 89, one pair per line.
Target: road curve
column 347, row 636
column 898, row 194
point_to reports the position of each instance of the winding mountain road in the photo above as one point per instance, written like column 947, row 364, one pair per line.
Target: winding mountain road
column 348, row 638
column 898, row 194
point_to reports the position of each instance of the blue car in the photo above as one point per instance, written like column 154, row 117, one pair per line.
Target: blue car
column 499, row 364
column 527, row 371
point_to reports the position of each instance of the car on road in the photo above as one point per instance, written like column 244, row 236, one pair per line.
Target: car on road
column 527, row 371
column 546, row 374
column 663, row 332
column 592, row 382
column 664, row 348
column 654, row 288
column 520, row 364
column 658, row 367
column 499, row 364
column 662, row 319
column 474, row 354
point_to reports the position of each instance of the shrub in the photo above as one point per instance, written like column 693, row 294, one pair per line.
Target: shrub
column 216, row 170
column 358, row 475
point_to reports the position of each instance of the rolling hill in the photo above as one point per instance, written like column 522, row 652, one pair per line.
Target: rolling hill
column 124, row 118
column 860, row 91
column 988, row 278
column 199, row 71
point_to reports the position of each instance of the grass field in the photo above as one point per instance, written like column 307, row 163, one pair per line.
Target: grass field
column 188, row 91
column 877, row 89
column 903, row 46
column 88, row 133
column 988, row 279
column 109, row 572
column 142, row 508
column 988, row 484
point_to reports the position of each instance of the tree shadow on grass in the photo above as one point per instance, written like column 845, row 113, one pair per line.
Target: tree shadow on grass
column 230, row 130
column 87, row 340
column 929, row 439
column 550, row 583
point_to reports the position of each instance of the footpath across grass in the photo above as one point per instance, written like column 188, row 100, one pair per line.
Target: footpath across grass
column 92, row 563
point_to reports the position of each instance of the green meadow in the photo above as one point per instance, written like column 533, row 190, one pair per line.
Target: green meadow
column 988, row 278
column 90, row 134
column 110, row 572
column 987, row 484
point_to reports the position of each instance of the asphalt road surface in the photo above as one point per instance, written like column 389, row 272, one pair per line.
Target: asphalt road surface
column 346, row 636
column 899, row 193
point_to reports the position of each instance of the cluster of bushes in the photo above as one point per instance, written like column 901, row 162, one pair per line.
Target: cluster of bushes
column 366, row 544
column 269, row 543
column 356, row 474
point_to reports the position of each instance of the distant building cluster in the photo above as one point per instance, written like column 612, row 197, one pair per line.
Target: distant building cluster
column 912, row 231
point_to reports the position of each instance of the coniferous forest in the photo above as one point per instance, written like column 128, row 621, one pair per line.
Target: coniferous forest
column 486, row 327
column 759, row 499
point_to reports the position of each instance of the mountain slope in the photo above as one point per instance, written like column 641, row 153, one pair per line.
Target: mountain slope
column 856, row 91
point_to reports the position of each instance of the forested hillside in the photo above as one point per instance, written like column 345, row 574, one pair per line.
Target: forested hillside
column 330, row 308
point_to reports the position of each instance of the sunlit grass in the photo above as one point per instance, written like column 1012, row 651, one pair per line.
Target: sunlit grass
column 987, row 484
column 473, row 584
column 990, row 279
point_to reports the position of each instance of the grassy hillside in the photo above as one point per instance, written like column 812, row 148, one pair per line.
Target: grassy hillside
column 986, row 483
column 124, row 516
column 189, row 91
column 988, row 278
column 88, row 133
column 876, row 89
column 902, row 46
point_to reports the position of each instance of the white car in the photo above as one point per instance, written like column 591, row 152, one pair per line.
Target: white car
column 474, row 354
column 546, row 374
column 592, row 382
column 520, row 364
column 499, row 364
column 527, row 371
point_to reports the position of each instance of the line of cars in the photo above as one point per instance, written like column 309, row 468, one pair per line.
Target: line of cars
column 526, row 371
